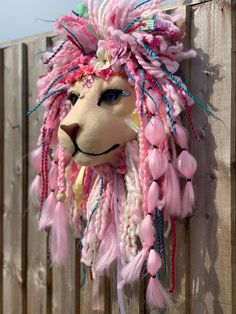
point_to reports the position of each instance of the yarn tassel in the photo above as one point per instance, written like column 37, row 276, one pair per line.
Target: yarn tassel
column 59, row 234
column 47, row 214
column 36, row 190
column 53, row 174
column 131, row 271
column 187, row 200
column 36, row 159
column 107, row 252
column 171, row 190
column 156, row 295
column 187, row 166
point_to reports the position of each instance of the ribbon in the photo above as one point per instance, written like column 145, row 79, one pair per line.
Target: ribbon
column 78, row 188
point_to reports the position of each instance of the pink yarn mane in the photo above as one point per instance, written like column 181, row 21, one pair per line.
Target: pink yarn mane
column 143, row 45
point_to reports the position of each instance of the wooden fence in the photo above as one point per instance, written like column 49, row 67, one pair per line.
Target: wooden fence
column 205, row 262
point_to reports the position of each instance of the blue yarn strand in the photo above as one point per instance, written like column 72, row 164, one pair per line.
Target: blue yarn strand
column 168, row 108
column 62, row 90
column 54, row 82
column 95, row 207
column 177, row 82
column 148, row 50
column 130, row 24
column 55, row 53
column 158, row 239
column 74, row 68
column 140, row 4
column 75, row 38
column 133, row 80
column 161, row 233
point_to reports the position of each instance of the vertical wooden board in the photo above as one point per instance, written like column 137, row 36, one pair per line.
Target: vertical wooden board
column 210, row 226
column 37, row 279
column 64, row 283
column 64, row 278
column 133, row 296
column 13, row 272
column 86, row 297
column 180, row 295
column 1, row 168
column 233, row 153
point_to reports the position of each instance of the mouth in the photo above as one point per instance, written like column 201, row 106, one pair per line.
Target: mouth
column 78, row 149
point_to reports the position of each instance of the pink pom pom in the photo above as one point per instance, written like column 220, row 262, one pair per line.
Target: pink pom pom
column 48, row 211
column 153, row 263
column 153, row 107
column 157, row 164
column 187, row 200
column 155, row 132
column 171, row 190
column 186, row 164
column 181, row 136
column 36, row 190
column 153, row 197
column 58, row 241
column 147, row 231
column 52, row 175
column 36, row 159
column 156, row 295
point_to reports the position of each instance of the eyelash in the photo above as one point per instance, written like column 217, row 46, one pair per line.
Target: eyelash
column 116, row 93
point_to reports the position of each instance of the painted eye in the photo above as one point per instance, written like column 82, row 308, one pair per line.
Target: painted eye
column 109, row 96
column 73, row 98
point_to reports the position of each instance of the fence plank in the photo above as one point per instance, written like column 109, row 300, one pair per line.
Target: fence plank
column 14, row 183
column 233, row 156
column 210, row 227
column 64, row 279
column 38, row 284
column 1, row 168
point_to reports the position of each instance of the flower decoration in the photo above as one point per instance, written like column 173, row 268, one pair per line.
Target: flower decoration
column 88, row 81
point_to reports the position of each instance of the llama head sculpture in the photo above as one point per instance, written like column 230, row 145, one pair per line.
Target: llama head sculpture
column 112, row 149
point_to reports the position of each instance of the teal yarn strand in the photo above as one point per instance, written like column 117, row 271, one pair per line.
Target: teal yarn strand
column 177, row 82
column 142, row 91
column 148, row 50
column 140, row 4
column 95, row 207
column 157, row 238
column 161, row 234
column 84, row 275
column 168, row 108
column 130, row 24
column 73, row 69
column 54, row 82
column 133, row 80
column 62, row 90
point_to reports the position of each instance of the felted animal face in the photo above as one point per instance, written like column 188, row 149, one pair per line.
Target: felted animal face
column 96, row 128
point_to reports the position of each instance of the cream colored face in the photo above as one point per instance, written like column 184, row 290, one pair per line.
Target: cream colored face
column 95, row 129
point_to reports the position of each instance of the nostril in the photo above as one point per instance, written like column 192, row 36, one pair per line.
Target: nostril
column 71, row 130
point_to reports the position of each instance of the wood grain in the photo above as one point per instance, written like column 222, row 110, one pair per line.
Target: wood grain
column 64, row 287
column 211, row 224
column 1, row 169
column 38, row 280
column 14, row 272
